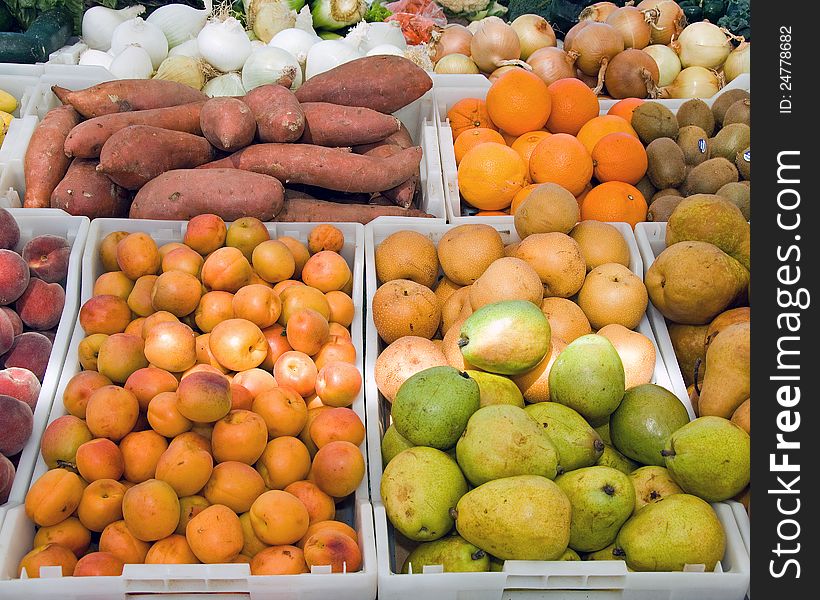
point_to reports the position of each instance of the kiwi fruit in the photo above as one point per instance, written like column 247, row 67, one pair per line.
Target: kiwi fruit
column 739, row 112
column 667, row 165
column 652, row 121
column 730, row 140
column 743, row 162
column 697, row 112
column 739, row 195
column 666, row 192
column 695, row 143
column 708, row 177
column 725, row 100
column 646, row 188
column 661, row 208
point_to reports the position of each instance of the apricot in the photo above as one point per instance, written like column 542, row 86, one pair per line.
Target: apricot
column 215, row 535
column 319, row 505
column 118, row 540
column 160, row 316
column 339, row 332
column 186, row 467
column 151, row 510
column 297, row 297
column 114, row 283
column 225, row 269
column 196, row 438
column 99, row 564
column 258, row 304
column 104, row 314
column 70, row 533
column 189, row 507
column 177, row 292
column 245, row 234
column 342, row 308
column 300, row 253
column 141, row 452
column 164, row 416
column 111, row 412
column 338, row 468
column 172, row 550
column 278, row 518
column 171, row 346
column 138, row 255
column 241, row 398
column 335, row 351
column 326, row 271
column 327, row 547
column 240, row 436
column 213, row 308
column 338, row 383
column 53, row 497
column 49, row 555
column 108, row 250
column 277, row 345
column 238, row 344
column 252, row 544
column 283, row 410
column 120, row 355
column 278, row 288
column 296, row 370
column 273, row 261
column 204, row 397
column 235, row 485
column 202, row 368
column 88, row 349
column 307, row 331
column 101, row 504
column 204, row 356
column 342, row 528
column 100, row 459
column 205, row 233
column 139, row 300
column 279, row 560
column 61, row 439
column 255, row 380
column 183, row 259
column 147, row 382
column 338, row 424
column 285, row 460
column 135, row 327
column 304, row 436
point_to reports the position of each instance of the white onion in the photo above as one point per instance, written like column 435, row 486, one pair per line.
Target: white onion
column 296, row 41
column 189, row 48
column 132, row 63
column 141, row 33
column 229, row 84
column 271, row 65
column 96, row 58
column 224, row 44
column 668, row 62
column 704, row 45
column 271, row 18
column 100, row 22
column 455, row 39
column 693, row 82
column 179, row 22
column 534, row 33
column 456, row 64
column 385, row 49
column 328, row 54
column 366, row 36
column 494, row 44
column 738, row 62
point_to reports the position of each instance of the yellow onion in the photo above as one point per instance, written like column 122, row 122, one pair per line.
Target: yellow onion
column 632, row 74
column 693, row 82
column 533, row 32
column 668, row 19
column 633, row 25
column 599, row 12
column 594, row 46
column 456, row 64
column 702, row 44
column 182, row 69
column 494, row 45
column 455, row 39
column 738, row 62
column 501, row 71
column 667, row 60
column 552, row 64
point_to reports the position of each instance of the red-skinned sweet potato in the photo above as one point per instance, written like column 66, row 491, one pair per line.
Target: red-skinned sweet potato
column 329, row 124
column 403, row 194
column 229, row 193
column 401, row 138
column 123, row 95
column 279, row 116
column 305, row 210
column 227, row 123
column 87, row 192
column 45, row 163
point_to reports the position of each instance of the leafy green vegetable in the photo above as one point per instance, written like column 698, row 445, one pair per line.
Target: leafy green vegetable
column 377, row 12
column 738, row 18
column 561, row 14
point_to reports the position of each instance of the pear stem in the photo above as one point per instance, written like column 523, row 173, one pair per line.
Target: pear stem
column 666, row 453
column 478, row 554
column 698, row 362
column 463, row 341
column 598, row 445
column 453, row 514
column 618, row 552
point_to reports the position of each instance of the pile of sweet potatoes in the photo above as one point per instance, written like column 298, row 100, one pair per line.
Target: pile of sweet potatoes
column 155, row 149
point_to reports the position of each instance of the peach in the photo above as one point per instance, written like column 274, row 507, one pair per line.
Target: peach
column 205, row 233
column 30, row 350
column 327, row 547
column 326, row 271
column 238, row 344
column 338, row 468
column 255, row 381
column 241, row 398
column 278, row 517
column 225, row 269
column 246, row 234
column 185, row 468
column 61, row 439
column 319, row 505
column 239, row 436
column 141, row 452
column 154, row 319
column 342, row 308
column 338, row 526
column 50, row 555
column 113, row 283
column 120, row 355
column 9, row 231
column 177, row 292
column 47, row 257
column 296, row 370
column 280, row 287
column 88, row 350
column 258, row 304
column 335, row 351
column 151, row 510
column 307, row 331
column 338, row 384
column 285, row 460
column 69, row 533
column 304, row 436
column 14, row 276
column 16, row 424
column 183, row 259
column 338, row 424
column 171, row 346
column 169, row 247
column 273, row 261
column 279, row 560
column 172, row 550
column 147, row 382
column 297, row 297
column 7, row 473
column 277, row 345
column 119, row 540
column 22, row 384
column 106, row 314
column 108, row 250
column 53, row 497
column 100, row 459
column 235, row 485
column 204, row 397
column 139, row 300
column 213, row 308
column 99, row 564
column 189, row 507
column 79, row 389
column 101, row 504
column 283, row 410
column 135, row 327
column 215, row 535
column 138, row 255
column 111, row 412
column 7, row 331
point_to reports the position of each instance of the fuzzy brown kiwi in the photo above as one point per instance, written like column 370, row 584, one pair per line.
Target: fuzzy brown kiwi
column 667, row 165
column 652, row 120
column 666, row 192
column 695, row 144
column 697, row 112
column 725, row 100
column 708, row 177
column 739, row 112
column 730, row 140
column 743, row 162
column 663, row 207
column 739, row 195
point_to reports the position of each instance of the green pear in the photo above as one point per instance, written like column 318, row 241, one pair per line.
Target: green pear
column 727, row 382
column 516, row 518
column 603, row 554
column 502, row 441
column 652, row 484
column 392, row 443
column 710, row 458
column 578, row 444
column 496, row 389
column 506, row 338
column 612, row 458
column 433, row 406
column 666, row 535
column 602, row 500
column 452, row 552
column 645, row 419
column 570, row 554
column 603, row 431
column 419, row 488
column 588, row 376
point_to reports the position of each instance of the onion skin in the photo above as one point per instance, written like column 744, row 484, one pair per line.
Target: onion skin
column 455, row 39
column 501, row 71
column 456, row 64
column 668, row 21
column 494, row 43
column 574, row 31
column 552, row 64
column 738, row 62
column 595, row 45
column 694, row 82
column 633, row 26
column 598, row 12
column 534, row 32
column 632, row 74
column 590, row 80
column 702, row 45
column 667, row 61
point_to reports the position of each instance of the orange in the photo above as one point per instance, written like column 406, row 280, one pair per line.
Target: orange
column 518, row 102
column 525, row 144
column 561, row 159
column 467, row 114
column 509, row 138
column 573, row 104
column 616, row 202
column 490, row 175
column 619, row 157
column 473, row 137
column 580, row 197
column 522, row 195
column 624, row 108
column 592, row 132
column 492, row 213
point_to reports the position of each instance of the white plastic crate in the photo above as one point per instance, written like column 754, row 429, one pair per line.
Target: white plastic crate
column 744, row 526
column 741, row 82
column 17, row 533
column 34, row 222
column 12, row 180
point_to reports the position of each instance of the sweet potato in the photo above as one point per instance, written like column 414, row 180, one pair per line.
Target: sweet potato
column 45, row 163
column 85, row 191
column 229, row 193
column 329, row 168
column 227, row 123
column 313, row 211
column 401, row 138
column 383, row 83
column 403, row 194
column 136, row 154
column 123, row 95
column 329, row 124
column 86, row 139
column 279, row 116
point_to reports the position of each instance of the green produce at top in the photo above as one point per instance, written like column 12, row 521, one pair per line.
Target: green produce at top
column 507, row 338
column 337, row 14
